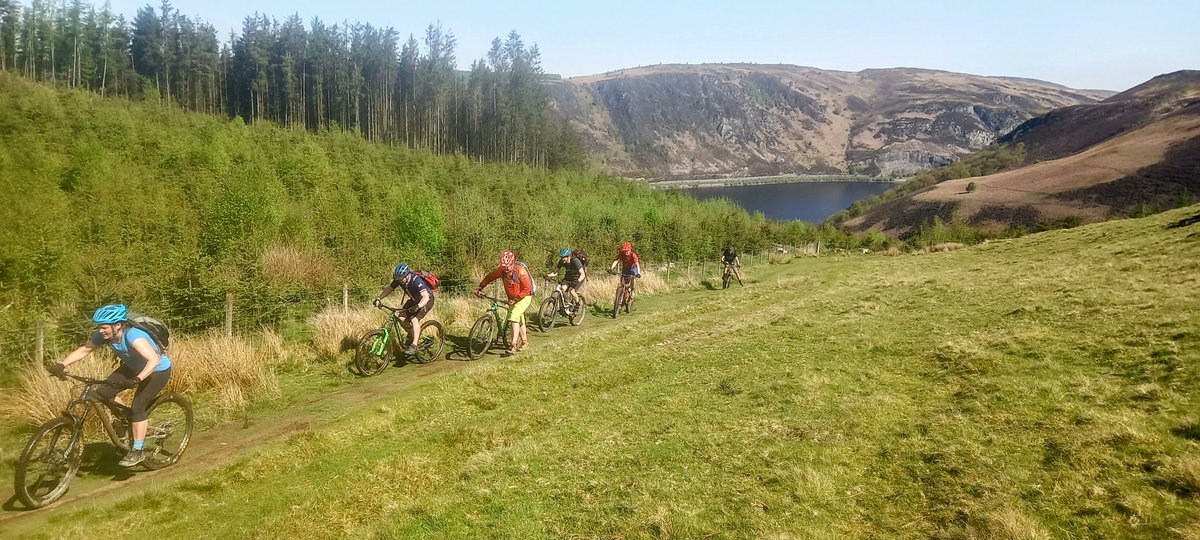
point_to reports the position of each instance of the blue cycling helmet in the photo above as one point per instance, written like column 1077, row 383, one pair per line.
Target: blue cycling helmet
column 110, row 314
column 401, row 271
column 564, row 252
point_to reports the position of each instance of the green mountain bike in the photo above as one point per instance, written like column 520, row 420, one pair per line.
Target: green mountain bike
column 378, row 348
column 489, row 329
column 53, row 454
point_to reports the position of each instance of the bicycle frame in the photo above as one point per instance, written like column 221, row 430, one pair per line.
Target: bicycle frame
column 391, row 330
column 501, row 322
column 89, row 403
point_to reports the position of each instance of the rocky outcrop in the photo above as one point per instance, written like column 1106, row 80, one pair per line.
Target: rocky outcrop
column 747, row 120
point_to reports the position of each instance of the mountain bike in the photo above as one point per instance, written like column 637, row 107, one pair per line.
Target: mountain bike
column 560, row 302
column 624, row 296
column 730, row 271
column 488, row 329
column 378, row 348
column 53, row 454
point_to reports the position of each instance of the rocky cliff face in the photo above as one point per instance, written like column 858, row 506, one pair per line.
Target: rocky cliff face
column 750, row 120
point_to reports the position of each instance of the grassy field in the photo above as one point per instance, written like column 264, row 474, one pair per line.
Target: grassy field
column 1040, row 387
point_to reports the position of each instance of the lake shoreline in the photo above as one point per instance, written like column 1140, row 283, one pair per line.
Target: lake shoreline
column 763, row 180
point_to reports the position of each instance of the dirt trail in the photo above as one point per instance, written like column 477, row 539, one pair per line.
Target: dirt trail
column 224, row 443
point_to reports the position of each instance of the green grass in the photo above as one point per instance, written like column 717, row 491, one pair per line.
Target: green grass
column 1041, row 387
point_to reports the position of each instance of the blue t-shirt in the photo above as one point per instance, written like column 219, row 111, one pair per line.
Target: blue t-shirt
column 129, row 356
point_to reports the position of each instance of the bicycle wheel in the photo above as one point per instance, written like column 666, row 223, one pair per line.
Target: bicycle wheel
column 49, row 462
column 629, row 298
column 725, row 281
column 481, row 336
column 170, row 430
column 580, row 310
column 429, row 345
column 547, row 313
column 373, row 354
column 618, row 299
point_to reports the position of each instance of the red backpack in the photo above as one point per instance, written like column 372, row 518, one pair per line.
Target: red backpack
column 430, row 278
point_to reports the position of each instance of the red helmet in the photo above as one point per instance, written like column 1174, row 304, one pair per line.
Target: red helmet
column 626, row 248
column 507, row 259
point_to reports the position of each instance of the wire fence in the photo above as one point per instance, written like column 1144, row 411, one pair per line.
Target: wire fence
column 234, row 315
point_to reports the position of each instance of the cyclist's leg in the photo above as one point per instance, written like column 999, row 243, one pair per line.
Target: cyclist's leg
column 516, row 320
column 108, row 392
column 145, row 393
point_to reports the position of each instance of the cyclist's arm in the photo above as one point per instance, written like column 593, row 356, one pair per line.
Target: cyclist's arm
column 737, row 260
column 613, row 267
column 387, row 291
column 146, row 350
column 424, row 299
column 492, row 276
column 78, row 354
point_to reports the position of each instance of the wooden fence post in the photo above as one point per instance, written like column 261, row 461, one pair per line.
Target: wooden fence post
column 345, row 298
column 228, row 314
column 40, row 346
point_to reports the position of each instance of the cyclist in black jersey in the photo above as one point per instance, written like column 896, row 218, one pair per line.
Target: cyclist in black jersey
column 419, row 303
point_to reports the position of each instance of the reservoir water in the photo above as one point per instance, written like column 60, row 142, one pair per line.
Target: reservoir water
column 806, row 201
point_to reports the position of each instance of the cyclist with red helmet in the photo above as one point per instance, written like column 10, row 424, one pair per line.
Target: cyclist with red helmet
column 419, row 303
column 518, row 287
column 143, row 366
column 627, row 258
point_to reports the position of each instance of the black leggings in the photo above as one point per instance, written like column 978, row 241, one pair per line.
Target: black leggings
column 145, row 393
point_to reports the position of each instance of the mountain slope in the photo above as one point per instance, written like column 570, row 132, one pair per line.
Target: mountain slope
column 1029, row 388
column 741, row 119
column 1135, row 152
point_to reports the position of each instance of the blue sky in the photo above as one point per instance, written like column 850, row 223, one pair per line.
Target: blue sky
column 1098, row 44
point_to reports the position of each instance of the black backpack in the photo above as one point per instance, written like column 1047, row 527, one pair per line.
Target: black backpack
column 581, row 255
column 157, row 329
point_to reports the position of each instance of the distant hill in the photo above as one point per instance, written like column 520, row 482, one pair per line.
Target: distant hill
column 1133, row 153
column 710, row 120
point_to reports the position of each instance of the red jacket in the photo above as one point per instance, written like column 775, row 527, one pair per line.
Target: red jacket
column 517, row 284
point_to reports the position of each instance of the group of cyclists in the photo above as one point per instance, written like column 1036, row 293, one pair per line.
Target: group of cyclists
column 146, row 368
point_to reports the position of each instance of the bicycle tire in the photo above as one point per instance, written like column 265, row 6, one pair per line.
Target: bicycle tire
column 373, row 354
column 171, row 421
column 61, row 456
column 547, row 313
column 481, row 336
column 576, row 317
column 430, row 343
column 725, row 281
column 629, row 298
column 617, row 299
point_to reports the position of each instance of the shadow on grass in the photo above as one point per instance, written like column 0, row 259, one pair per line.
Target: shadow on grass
column 457, row 350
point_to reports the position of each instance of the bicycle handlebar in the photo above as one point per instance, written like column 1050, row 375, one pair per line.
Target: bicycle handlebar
column 85, row 380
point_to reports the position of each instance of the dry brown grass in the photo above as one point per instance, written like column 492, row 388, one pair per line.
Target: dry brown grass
column 334, row 329
column 945, row 246
column 290, row 264
column 893, row 252
column 779, row 258
column 236, row 369
column 40, row 397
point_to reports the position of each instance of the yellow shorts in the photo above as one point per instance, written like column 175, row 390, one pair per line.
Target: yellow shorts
column 517, row 313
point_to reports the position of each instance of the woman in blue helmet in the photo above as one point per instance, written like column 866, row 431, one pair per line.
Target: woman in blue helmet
column 144, row 366
column 420, row 299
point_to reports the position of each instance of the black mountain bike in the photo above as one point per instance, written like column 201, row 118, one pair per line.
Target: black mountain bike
column 52, row 456
column 730, row 272
column 378, row 348
column 559, row 303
